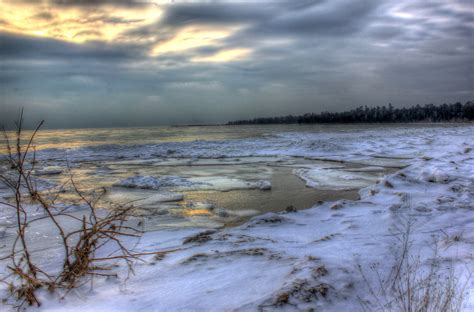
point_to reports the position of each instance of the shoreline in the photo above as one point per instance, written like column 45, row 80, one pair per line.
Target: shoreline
column 309, row 258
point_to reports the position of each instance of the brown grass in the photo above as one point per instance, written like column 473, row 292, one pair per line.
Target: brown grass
column 413, row 285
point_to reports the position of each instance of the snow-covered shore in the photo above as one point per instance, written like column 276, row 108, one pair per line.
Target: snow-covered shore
column 310, row 258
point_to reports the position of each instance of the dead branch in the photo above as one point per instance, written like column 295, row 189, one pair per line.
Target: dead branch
column 80, row 245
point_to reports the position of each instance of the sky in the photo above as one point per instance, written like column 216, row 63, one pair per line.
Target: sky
column 92, row 63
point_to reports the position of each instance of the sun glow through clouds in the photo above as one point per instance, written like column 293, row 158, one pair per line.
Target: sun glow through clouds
column 192, row 37
column 225, row 56
column 76, row 24
column 119, row 24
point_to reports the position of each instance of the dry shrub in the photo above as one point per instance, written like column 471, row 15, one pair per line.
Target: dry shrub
column 93, row 231
column 414, row 286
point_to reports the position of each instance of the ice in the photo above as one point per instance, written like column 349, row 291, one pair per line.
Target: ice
column 216, row 161
column 178, row 183
column 366, row 169
column 435, row 175
column 153, row 183
column 161, row 197
column 199, row 205
column 50, row 170
column 381, row 162
column 334, row 179
column 143, row 198
column 225, row 184
column 264, row 185
column 295, row 261
column 245, row 212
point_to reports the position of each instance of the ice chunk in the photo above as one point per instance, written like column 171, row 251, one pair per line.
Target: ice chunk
column 199, row 205
column 334, row 179
column 434, row 175
column 51, row 170
column 223, row 183
column 153, row 183
column 264, row 185
column 222, row 213
column 382, row 162
column 161, row 197
column 367, row 169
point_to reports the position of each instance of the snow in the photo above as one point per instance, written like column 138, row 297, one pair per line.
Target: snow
column 294, row 261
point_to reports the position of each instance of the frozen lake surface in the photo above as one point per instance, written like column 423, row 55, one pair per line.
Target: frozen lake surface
column 210, row 176
column 364, row 183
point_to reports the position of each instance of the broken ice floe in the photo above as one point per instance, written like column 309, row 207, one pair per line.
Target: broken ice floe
column 222, row 183
column 334, row 179
column 143, row 198
column 218, row 183
column 153, row 183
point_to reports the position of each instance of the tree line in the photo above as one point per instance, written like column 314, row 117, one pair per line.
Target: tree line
column 456, row 112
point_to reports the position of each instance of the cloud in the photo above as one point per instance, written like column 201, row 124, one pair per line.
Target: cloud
column 229, row 55
column 15, row 47
column 192, row 37
column 76, row 24
column 143, row 64
column 216, row 13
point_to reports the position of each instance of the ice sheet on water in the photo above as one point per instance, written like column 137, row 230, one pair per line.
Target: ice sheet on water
column 219, row 183
column 334, row 179
column 366, row 169
column 142, row 197
column 154, row 183
column 338, row 144
column 161, row 197
column 279, row 261
column 222, row 183
column 199, row 205
column 380, row 162
column 49, row 170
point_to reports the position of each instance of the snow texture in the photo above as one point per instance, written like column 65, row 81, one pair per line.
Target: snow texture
column 295, row 261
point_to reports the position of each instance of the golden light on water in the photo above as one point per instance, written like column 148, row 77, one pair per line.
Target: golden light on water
column 196, row 212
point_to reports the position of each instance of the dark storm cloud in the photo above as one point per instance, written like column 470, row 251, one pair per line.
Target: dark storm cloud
column 298, row 18
column 82, row 2
column 304, row 56
column 218, row 13
column 23, row 47
column 334, row 17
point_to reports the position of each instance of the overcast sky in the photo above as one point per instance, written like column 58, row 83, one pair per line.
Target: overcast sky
column 78, row 64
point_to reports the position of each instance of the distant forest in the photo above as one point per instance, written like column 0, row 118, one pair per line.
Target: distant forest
column 456, row 112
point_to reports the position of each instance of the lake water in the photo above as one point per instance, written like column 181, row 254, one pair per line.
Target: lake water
column 74, row 138
column 213, row 176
